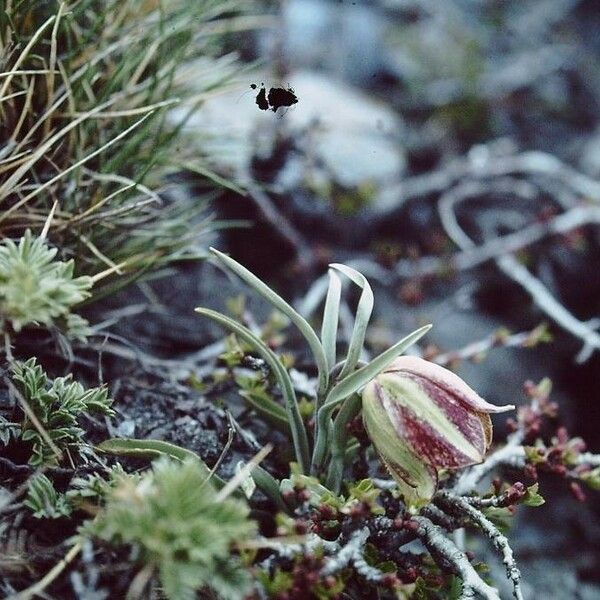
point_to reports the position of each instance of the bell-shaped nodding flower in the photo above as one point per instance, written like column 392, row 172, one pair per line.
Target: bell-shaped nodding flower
column 422, row 418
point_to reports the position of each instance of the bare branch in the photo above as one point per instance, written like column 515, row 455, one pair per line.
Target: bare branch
column 444, row 550
column 496, row 247
column 459, row 506
column 517, row 272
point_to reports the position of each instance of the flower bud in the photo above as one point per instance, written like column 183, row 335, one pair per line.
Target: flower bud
column 421, row 418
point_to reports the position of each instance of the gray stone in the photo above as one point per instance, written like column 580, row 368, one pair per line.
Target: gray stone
column 357, row 137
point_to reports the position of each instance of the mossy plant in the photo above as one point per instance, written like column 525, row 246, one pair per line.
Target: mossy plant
column 38, row 289
column 50, row 411
column 184, row 530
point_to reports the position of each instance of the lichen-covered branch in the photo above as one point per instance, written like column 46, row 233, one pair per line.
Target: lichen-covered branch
column 444, row 550
column 460, row 507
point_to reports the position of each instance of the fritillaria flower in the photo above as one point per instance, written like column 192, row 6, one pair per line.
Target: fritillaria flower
column 422, row 418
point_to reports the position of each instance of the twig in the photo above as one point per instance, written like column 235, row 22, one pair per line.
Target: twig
column 517, row 272
column 491, row 341
column 542, row 297
column 485, row 162
column 353, row 553
column 458, row 507
column 587, row 458
column 243, row 473
column 33, row 418
column 43, row 583
column 304, row 254
column 496, row 247
column 444, row 550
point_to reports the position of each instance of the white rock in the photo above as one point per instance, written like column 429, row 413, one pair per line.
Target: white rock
column 358, row 138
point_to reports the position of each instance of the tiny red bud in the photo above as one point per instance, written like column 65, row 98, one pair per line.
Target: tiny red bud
column 303, row 495
column 560, row 470
column 327, row 512
column 562, row 435
column 411, row 525
column 511, row 425
column 531, row 472
column 390, row 580
column 577, row 492
column 301, row 526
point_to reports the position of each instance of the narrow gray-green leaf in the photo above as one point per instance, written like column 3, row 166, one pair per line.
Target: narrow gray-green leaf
column 299, row 436
column 352, row 383
column 272, row 413
column 361, row 320
column 269, row 486
column 154, row 449
column 280, row 304
column 330, row 318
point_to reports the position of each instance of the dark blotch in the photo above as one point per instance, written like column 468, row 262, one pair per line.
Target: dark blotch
column 261, row 99
column 281, row 97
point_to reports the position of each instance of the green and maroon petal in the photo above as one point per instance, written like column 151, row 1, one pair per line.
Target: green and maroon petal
column 447, row 380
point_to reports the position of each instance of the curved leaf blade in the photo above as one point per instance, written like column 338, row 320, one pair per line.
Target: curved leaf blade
column 280, row 304
column 361, row 319
column 331, row 314
column 296, row 424
column 352, row 383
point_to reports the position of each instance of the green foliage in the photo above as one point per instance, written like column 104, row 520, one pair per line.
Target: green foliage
column 95, row 487
column 8, row 430
column 56, row 404
column 336, row 386
column 592, row 478
column 44, row 500
column 35, row 288
column 532, row 497
column 152, row 449
column 86, row 90
column 174, row 517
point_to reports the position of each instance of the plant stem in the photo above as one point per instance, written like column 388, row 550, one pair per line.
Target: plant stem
column 350, row 408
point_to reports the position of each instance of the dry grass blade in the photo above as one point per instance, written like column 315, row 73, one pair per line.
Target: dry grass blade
column 76, row 78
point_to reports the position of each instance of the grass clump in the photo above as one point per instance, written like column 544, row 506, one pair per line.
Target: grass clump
column 85, row 87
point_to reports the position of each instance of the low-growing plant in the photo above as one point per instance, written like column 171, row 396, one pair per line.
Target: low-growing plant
column 38, row 289
column 432, row 433
column 43, row 499
column 341, row 529
column 50, row 412
column 324, row 453
column 183, row 529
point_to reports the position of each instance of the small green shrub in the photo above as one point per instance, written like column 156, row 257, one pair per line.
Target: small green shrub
column 56, row 405
column 35, row 288
column 44, row 500
column 181, row 528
